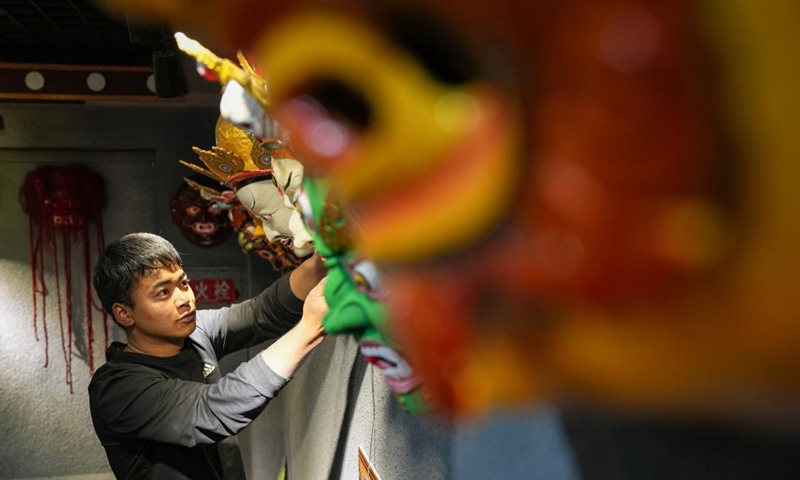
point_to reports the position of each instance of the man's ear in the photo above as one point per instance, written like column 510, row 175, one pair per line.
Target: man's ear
column 123, row 314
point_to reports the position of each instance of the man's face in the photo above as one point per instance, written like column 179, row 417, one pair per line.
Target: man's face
column 280, row 221
column 164, row 307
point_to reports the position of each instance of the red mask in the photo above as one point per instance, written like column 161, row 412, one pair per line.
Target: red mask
column 63, row 197
column 200, row 221
column 65, row 205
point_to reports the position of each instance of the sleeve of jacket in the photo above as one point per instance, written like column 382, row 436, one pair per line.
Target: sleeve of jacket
column 267, row 316
column 135, row 401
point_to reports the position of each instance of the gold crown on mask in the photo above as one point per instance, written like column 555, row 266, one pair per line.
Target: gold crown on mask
column 238, row 155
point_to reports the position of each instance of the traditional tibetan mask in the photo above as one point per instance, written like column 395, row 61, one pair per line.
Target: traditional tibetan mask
column 200, row 221
column 282, row 225
column 63, row 197
column 244, row 163
column 355, row 295
column 251, row 239
column 266, row 199
column 250, row 235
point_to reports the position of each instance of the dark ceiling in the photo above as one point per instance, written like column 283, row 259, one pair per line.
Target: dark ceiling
column 76, row 32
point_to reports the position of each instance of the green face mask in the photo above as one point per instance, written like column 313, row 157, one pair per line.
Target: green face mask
column 354, row 293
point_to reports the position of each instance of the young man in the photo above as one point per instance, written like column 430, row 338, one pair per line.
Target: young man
column 159, row 405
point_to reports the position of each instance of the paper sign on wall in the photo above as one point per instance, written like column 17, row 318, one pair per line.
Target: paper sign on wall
column 214, row 290
column 216, row 287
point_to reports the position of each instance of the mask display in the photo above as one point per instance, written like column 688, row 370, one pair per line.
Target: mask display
column 355, row 298
column 250, row 235
column 244, row 164
column 202, row 222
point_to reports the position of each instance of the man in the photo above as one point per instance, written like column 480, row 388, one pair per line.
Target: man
column 159, row 405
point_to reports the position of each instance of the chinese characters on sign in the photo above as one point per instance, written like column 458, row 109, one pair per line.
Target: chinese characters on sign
column 214, row 290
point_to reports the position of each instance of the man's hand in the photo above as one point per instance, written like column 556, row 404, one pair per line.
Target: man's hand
column 315, row 308
column 286, row 355
column 303, row 278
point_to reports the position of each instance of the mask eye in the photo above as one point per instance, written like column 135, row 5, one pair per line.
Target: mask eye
column 287, row 184
column 366, row 277
column 303, row 205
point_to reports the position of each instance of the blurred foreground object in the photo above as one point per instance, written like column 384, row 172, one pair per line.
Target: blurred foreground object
column 568, row 199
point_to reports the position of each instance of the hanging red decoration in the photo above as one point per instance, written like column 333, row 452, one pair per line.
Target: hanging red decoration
column 64, row 204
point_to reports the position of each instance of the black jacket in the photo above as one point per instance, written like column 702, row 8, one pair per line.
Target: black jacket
column 169, row 418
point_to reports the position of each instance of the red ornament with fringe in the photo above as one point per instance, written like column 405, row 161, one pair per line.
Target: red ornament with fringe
column 64, row 204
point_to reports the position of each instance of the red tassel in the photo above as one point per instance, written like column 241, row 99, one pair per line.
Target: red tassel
column 58, row 297
column 44, row 299
column 87, row 273
column 101, row 243
column 34, row 246
column 68, row 277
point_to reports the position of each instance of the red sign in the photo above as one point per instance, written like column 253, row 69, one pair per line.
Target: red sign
column 214, row 290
